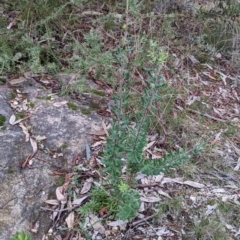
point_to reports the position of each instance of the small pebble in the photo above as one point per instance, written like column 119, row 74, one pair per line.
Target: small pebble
column 115, row 229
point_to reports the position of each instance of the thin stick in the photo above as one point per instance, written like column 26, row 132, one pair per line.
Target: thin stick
column 206, row 115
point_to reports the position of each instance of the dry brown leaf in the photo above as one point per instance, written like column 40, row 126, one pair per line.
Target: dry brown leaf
column 158, row 178
column 191, row 99
column 210, row 209
column 70, row 220
column 60, row 196
column 119, row 223
column 142, row 207
column 105, row 128
column 150, row 199
column 96, row 224
column 34, row 145
column 12, row 119
column 98, row 143
column 98, row 133
column 52, row 202
column 171, row 180
column 103, row 211
column 163, row 193
column 59, row 104
column 87, row 186
column 78, row 201
column 35, row 227
column 17, row 81
column 149, row 145
column 238, row 165
column 193, row 59
column 25, row 131
column 40, row 138
column 194, row 184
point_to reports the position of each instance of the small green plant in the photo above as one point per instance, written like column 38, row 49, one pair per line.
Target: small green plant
column 21, row 236
column 89, row 56
column 127, row 139
column 31, row 104
column 20, row 115
column 2, row 80
column 72, row 106
column 2, row 120
column 99, row 200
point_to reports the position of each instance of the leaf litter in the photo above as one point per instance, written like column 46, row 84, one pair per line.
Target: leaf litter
column 154, row 190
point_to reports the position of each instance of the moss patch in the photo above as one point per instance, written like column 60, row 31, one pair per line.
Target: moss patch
column 60, row 181
column 86, row 111
column 48, row 98
column 10, row 170
column 3, row 128
column 45, row 98
column 72, row 106
column 94, row 106
column 12, row 95
column 2, row 120
column 20, row 115
column 2, row 80
column 64, row 146
column 31, row 104
column 99, row 93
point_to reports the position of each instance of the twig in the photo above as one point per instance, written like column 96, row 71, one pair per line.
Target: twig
column 26, row 161
column 147, row 185
column 206, row 115
column 143, row 220
column 40, row 159
column 9, row 200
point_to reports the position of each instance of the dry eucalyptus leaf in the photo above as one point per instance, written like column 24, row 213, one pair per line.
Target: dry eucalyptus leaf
column 59, row 104
column 150, row 199
column 17, row 81
column 98, row 133
column 118, row 223
column 87, row 186
column 96, row 224
column 163, row 193
column 142, row 207
column 12, row 119
column 193, row 59
column 70, row 220
column 171, row 180
column 149, row 145
column 96, row 144
column 210, row 209
column 52, row 202
column 158, row 178
column 78, row 201
column 238, row 165
column 40, row 138
column 25, row 131
column 59, row 195
column 194, row 184
column 105, row 128
column 34, row 145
